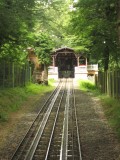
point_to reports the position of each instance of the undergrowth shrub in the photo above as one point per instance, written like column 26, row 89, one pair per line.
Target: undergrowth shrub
column 11, row 99
column 3, row 117
column 87, row 85
column 111, row 108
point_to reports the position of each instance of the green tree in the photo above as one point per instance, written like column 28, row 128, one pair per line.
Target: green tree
column 94, row 23
column 53, row 19
column 43, row 47
column 15, row 19
column 13, row 53
column 118, row 19
column 21, row 21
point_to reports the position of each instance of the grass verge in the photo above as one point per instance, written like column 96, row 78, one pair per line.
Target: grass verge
column 12, row 99
column 111, row 106
column 87, row 85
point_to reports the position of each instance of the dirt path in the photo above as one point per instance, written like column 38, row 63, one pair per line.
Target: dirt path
column 99, row 141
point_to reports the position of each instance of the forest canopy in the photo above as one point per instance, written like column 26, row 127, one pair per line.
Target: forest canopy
column 96, row 28
column 91, row 27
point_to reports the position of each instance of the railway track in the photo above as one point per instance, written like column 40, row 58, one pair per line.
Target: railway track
column 54, row 135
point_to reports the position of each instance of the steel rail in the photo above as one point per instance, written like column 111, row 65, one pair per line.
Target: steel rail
column 72, row 112
column 78, row 133
column 15, row 155
column 64, row 144
column 71, row 127
column 37, row 137
column 70, row 146
column 53, row 129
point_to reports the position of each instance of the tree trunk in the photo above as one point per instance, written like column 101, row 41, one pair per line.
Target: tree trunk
column 106, row 58
column 45, row 79
column 118, row 21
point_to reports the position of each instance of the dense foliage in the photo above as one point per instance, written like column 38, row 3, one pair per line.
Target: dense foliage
column 31, row 23
column 94, row 23
column 16, row 20
column 89, row 26
column 43, row 47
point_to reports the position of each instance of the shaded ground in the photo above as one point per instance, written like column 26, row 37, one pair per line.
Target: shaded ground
column 99, row 141
column 11, row 133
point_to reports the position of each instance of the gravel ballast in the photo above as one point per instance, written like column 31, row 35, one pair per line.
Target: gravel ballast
column 98, row 140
